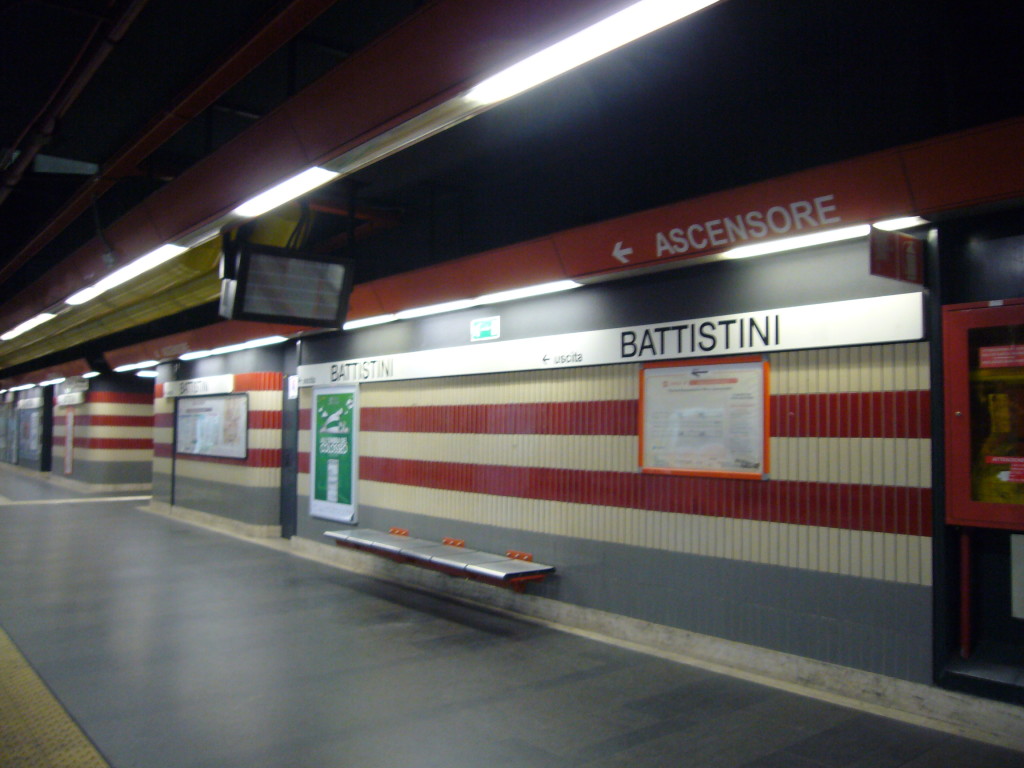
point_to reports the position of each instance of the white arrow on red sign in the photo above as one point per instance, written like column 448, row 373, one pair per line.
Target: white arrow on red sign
column 622, row 253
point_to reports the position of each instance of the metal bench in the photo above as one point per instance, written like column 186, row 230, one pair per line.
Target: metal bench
column 513, row 569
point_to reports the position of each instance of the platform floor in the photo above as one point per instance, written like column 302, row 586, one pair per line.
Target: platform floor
column 172, row 646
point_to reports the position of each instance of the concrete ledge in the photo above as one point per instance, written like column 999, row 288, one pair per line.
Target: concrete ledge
column 258, row 533
column 76, row 485
column 80, row 485
column 929, row 706
column 27, row 471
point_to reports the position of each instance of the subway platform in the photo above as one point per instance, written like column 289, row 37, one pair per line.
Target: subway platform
column 132, row 640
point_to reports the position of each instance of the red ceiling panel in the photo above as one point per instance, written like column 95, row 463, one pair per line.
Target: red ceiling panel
column 969, row 168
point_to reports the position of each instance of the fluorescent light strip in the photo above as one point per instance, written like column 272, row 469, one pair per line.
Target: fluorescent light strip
column 606, row 35
column 253, row 344
column 531, row 290
column 90, row 375
column 128, row 272
column 197, row 355
column 21, row 388
column 435, row 309
column 51, row 382
column 149, row 373
column 802, row 241
column 287, row 190
column 28, row 325
column 454, row 306
column 905, row 222
column 136, row 366
column 366, row 322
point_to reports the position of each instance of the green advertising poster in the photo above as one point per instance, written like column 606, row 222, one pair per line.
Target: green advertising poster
column 333, row 465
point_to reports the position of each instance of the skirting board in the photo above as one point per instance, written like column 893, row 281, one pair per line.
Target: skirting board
column 258, row 533
column 79, row 485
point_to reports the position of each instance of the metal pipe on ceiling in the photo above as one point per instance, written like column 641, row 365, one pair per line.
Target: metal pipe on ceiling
column 103, row 40
column 255, row 47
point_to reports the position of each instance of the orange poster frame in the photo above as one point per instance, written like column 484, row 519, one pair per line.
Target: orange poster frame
column 760, row 473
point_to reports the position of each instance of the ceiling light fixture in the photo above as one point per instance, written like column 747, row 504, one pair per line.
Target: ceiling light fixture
column 197, row 355
column 435, row 309
column 136, row 366
column 21, row 387
column 149, row 373
column 252, row 344
column 606, row 35
column 128, row 272
column 287, row 190
column 90, row 375
column 366, row 322
column 905, row 222
column 513, row 294
column 528, row 292
column 801, row 241
column 28, row 325
column 51, row 382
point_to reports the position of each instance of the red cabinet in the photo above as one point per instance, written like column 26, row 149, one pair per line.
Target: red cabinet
column 983, row 347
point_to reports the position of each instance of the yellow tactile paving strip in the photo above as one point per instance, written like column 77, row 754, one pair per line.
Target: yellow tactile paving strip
column 35, row 730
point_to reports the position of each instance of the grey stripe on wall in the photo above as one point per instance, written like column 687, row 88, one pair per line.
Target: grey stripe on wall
column 255, row 506
column 867, row 624
column 111, row 472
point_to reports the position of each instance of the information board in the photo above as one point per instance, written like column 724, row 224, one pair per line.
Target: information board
column 30, row 429
column 215, row 425
column 334, row 460
column 708, row 417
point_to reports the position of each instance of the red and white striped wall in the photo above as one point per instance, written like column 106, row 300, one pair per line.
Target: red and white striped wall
column 555, row 452
column 111, row 440
column 246, row 489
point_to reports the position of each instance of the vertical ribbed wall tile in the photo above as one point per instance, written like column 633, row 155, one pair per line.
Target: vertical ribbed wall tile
column 847, row 459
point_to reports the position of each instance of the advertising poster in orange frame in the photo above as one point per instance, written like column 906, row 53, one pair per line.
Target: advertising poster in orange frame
column 705, row 417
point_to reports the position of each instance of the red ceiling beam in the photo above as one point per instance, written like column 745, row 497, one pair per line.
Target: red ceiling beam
column 103, row 38
column 272, row 32
column 418, row 64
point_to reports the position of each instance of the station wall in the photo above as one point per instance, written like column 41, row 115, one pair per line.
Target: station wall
column 246, row 490
column 112, row 435
column 829, row 559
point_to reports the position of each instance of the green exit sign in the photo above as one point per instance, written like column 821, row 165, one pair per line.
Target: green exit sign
column 485, row 328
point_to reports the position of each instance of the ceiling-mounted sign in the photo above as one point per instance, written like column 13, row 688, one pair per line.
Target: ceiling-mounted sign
column 876, row 320
column 73, row 384
column 210, row 385
column 819, row 199
column 897, row 255
column 485, row 328
column 70, row 398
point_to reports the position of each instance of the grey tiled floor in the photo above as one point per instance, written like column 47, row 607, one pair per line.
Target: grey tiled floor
column 173, row 646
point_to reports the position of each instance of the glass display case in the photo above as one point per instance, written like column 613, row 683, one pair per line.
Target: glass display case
column 984, row 383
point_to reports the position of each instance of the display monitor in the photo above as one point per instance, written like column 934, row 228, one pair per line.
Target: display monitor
column 281, row 285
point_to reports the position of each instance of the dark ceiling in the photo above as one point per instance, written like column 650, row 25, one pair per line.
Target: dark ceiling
column 167, row 53
column 747, row 90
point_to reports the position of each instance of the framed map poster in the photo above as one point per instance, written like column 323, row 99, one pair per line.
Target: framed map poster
column 707, row 418
column 334, row 461
column 216, row 425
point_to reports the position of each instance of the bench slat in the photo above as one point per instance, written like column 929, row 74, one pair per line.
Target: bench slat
column 484, row 565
